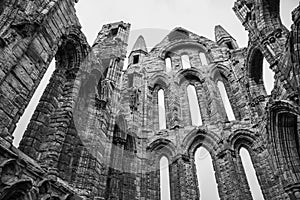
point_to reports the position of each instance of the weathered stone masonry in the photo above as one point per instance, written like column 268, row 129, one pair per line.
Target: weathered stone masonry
column 95, row 132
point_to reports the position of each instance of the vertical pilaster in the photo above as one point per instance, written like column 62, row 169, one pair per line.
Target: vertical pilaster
column 229, row 184
column 184, row 185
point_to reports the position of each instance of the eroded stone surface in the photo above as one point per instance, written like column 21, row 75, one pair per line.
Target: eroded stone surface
column 95, row 132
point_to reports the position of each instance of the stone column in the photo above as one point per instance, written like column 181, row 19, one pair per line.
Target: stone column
column 149, row 182
column 229, row 184
column 257, row 98
column 173, row 112
column 115, row 172
column 59, row 123
column 183, row 181
column 204, row 101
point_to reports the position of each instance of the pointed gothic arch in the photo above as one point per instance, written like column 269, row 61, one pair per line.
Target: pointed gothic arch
column 156, row 150
column 158, row 86
column 199, row 137
column 256, row 69
column 283, row 138
column 163, row 147
column 248, row 164
column 70, row 55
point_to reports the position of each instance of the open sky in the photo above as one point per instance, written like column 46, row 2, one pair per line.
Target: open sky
column 154, row 19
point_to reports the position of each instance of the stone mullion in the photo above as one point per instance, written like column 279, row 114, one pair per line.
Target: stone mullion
column 137, row 115
column 155, row 111
column 229, row 183
column 169, row 96
column 148, row 106
column 202, row 102
column 145, row 105
column 255, row 92
column 173, row 106
column 212, row 101
column 230, row 86
column 185, row 108
column 182, row 101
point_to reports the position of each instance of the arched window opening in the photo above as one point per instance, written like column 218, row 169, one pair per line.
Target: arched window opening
column 229, row 45
column 168, row 64
column 251, row 175
column 194, row 106
column 25, row 118
column 288, row 136
column 203, row 58
column 206, row 175
column 226, row 102
column 136, row 59
column 185, row 60
column 161, row 109
column 260, row 74
column 164, row 179
column 268, row 77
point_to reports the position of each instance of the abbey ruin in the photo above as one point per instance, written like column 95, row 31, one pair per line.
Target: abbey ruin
column 97, row 133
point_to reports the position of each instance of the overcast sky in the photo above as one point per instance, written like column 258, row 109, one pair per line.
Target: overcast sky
column 198, row 16
column 154, row 19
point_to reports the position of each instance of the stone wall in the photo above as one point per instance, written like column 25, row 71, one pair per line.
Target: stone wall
column 95, row 133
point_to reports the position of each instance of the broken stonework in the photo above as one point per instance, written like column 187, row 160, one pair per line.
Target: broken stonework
column 96, row 132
